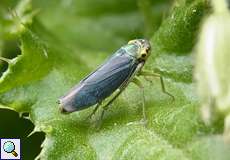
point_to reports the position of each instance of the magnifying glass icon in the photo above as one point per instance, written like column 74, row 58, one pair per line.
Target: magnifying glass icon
column 9, row 147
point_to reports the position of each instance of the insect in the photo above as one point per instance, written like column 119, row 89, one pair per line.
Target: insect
column 113, row 76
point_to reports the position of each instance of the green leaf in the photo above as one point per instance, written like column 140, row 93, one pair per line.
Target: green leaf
column 68, row 39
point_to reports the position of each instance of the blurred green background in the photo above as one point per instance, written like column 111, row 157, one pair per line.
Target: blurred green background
column 52, row 44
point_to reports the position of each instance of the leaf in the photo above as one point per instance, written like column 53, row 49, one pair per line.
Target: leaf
column 68, row 40
column 15, row 126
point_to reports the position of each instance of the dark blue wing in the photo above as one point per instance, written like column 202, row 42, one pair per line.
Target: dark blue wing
column 101, row 83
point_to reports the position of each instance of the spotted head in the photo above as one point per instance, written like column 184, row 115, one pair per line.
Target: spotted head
column 139, row 48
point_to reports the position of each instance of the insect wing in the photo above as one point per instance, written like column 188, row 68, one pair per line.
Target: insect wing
column 100, row 83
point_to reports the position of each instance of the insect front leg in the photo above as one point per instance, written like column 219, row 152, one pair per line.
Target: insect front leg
column 139, row 84
column 152, row 74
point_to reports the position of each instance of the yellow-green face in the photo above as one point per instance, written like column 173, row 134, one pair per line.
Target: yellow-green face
column 141, row 49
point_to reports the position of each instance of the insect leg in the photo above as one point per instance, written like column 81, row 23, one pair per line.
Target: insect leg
column 139, row 84
column 121, row 89
column 94, row 110
column 149, row 73
column 148, row 79
column 106, row 106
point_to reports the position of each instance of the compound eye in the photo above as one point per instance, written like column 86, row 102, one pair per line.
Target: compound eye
column 148, row 49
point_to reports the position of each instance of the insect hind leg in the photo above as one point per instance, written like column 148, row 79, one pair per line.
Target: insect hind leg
column 94, row 110
column 106, row 106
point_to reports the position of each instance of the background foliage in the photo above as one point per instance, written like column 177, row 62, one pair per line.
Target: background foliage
column 51, row 45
